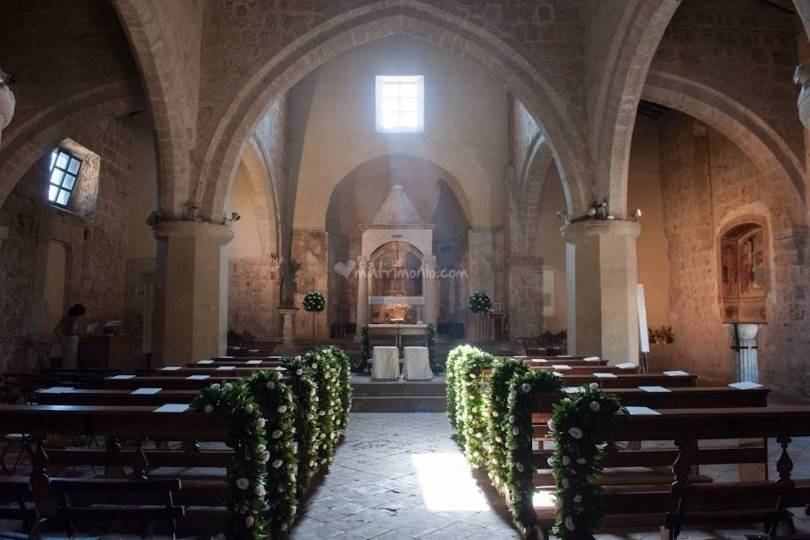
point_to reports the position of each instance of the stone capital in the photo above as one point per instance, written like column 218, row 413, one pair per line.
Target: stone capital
column 576, row 232
column 165, row 230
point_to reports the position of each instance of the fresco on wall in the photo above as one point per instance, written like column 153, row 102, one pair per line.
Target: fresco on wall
column 744, row 274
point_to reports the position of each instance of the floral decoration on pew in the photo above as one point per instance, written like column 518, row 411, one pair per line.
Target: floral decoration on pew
column 275, row 397
column 580, row 426
column 473, row 406
column 327, row 375
column 498, row 420
column 307, row 427
column 523, row 387
column 454, row 359
column 248, row 474
column 345, row 379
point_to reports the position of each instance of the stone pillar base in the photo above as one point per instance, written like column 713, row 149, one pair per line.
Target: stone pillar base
column 287, row 331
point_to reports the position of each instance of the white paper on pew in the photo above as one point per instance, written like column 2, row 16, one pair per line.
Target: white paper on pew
column 640, row 411
column 557, row 373
column 173, row 408
column 745, row 385
column 627, row 365
column 592, row 359
column 205, row 362
column 122, row 377
column 654, row 389
column 198, row 377
column 539, row 361
column 572, row 389
column 225, row 368
column 605, row 375
column 561, row 366
column 145, row 391
column 254, row 362
column 57, row 390
column 675, row 373
column 564, row 356
column 170, row 368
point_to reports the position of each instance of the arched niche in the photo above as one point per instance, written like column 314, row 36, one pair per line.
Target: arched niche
column 744, row 272
column 395, row 270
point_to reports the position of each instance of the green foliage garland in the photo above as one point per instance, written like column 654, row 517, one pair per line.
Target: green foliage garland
column 479, row 302
column 454, row 360
column 474, row 406
column 314, row 302
column 345, row 381
column 247, row 475
column 580, row 425
column 519, row 477
column 275, row 397
column 302, row 381
column 498, row 425
column 327, row 373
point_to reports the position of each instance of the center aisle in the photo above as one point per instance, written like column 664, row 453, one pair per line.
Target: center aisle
column 400, row 476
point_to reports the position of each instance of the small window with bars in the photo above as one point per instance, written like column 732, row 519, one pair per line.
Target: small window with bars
column 64, row 172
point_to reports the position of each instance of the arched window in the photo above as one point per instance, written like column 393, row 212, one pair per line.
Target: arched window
column 744, row 274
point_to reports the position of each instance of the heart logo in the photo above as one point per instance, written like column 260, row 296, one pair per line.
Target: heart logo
column 345, row 269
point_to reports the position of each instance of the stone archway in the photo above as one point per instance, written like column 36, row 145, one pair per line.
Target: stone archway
column 27, row 139
column 380, row 20
column 754, row 136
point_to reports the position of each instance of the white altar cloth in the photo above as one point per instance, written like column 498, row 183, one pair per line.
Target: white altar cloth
column 386, row 364
column 417, row 364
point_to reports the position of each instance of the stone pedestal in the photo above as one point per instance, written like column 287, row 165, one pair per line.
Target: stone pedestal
column 744, row 338
column 287, row 331
column 7, row 104
column 601, row 272
column 191, row 291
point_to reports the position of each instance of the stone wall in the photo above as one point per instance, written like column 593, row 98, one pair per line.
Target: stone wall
column 708, row 184
column 96, row 246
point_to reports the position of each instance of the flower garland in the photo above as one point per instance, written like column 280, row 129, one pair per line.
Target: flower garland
column 326, row 373
column 307, row 428
column 275, row 398
column 474, row 406
column 454, row 359
column 498, row 425
column 479, row 302
column 580, row 425
column 520, row 474
column 344, row 366
column 314, row 302
column 248, row 473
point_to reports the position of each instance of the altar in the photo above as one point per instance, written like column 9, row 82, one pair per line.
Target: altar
column 397, row 331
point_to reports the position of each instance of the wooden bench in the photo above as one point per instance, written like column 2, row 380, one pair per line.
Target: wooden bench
column 107, row 396
column 687, row 501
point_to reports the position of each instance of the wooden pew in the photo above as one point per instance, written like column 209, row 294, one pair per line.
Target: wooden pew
column 238, row 362
column 631, row 380
column 214, row 371
column 566, row 369
column 169, row 383
column 687, row 502
column 108, row 396
column 567, row 360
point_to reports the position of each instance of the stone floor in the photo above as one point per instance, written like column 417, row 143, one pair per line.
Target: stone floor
column 400, row 476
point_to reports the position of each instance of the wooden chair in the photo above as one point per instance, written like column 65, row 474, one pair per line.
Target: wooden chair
column 18, row 491
column 103, row 500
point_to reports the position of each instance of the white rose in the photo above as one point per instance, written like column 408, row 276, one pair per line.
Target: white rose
column 314, row 366
column 277, row 463
column 575, row 432
column 215, row 386
column 512, row 419
column 569, row 523
column 313, row 392
column 581, row 461
column 277, row 433
column 526, row 387
column 282, row 409
column 249, row 521
column 260, row 447
column 495, row 414
column 577, row 498
column 262, row 422
column 299, row 372
column 519, row 467
column 243, row 483
column 228, row 386
column 209, row 409
column 249, row 408
column 271, row 385
column 551, row 461
column 594, row 386
column 515, row 430
column 293, row 509
column 565, row 483
column 594, row 406
column 259, row 491
column 551, row 426
column 566, row 460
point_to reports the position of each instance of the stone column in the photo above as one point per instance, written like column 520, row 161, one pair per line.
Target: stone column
column 7, row 103
column 191, row 286
column 601, row 288
column 429, row 288
column 362, row 296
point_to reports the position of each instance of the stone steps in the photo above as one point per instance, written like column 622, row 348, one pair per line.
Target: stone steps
column 392, row 404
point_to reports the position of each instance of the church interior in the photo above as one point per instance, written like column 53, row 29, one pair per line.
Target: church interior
column 405, row 269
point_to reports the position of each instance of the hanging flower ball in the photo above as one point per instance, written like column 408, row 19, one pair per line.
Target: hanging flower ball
column 576, row 433
column 479, row 302
column 243, row 483
column 314, row 302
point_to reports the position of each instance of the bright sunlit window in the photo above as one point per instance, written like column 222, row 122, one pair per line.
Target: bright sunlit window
column 64, row 171
column 400, row 103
